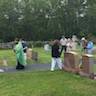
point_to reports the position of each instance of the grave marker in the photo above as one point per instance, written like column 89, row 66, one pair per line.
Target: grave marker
column 71, row 62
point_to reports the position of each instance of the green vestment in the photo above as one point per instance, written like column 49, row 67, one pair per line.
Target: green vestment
column 19, row 53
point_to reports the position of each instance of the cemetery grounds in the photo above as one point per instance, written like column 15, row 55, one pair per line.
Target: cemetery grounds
column 42, row 83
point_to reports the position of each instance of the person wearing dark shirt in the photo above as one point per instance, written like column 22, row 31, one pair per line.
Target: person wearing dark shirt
column 24, row 45
column 55, row 53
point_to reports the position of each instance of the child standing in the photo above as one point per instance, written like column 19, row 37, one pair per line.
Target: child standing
column 55, row 53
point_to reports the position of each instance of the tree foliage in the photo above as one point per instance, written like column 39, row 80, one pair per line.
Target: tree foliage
column 46, row 19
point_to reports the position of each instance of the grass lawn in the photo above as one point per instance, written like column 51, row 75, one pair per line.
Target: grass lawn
column 57, row 83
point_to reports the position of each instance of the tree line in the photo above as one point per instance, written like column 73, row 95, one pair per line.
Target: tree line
column 46, row 19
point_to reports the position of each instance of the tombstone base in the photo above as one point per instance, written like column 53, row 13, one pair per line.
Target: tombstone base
column 75, row 70
column 91, row 75
column 87, row 66
column 71, row 62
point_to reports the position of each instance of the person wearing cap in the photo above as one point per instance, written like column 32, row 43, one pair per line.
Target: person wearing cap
column 24, row 45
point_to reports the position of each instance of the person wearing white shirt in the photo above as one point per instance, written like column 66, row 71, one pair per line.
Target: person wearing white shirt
column 63, row 42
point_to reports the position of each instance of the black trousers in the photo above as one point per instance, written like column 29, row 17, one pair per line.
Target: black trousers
column 19, row 66
column 64, row 48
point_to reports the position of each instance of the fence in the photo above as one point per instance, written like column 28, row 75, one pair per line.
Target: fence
column 8, row 45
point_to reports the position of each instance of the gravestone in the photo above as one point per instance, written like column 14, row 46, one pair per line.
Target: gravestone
column 29, row 53
column 35, row 55
column 1, row 61
column 3, row 64
column 88, row 66
column 47, row 47
column 71, row 62
column 94, row 51
column 32, row 54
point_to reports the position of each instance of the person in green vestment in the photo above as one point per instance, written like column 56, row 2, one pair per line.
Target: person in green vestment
column 18, row 49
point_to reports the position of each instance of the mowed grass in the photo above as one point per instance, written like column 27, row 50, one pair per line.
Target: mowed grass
column 9, row 55
column 43, row 56
column 43, row 83
column 57, row 83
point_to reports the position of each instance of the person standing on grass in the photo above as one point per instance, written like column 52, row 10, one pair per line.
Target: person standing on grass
column 24, row 44
column 56, row 53
column 69, row 45
column 84, row 45
column 18, row 49
column 63, row 42
column 89, row 47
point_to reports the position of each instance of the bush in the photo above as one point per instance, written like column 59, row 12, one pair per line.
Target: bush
column 35, row 44
column 29, row 44
column 38, row 43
